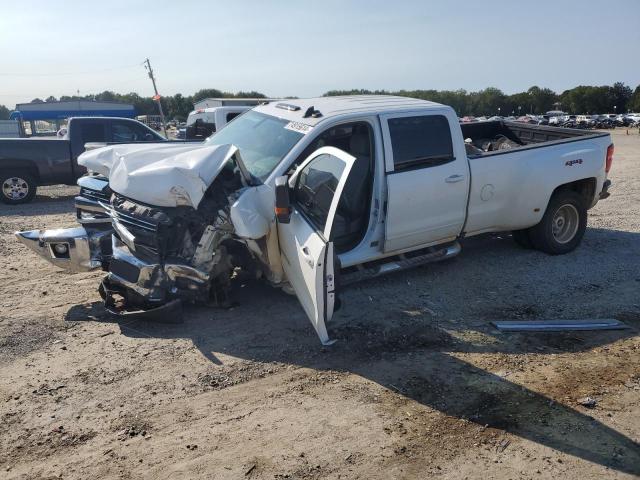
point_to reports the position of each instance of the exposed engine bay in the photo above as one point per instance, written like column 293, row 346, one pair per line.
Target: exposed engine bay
column 164, row 255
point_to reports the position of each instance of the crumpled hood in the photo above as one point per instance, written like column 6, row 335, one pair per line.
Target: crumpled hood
column 163, row 175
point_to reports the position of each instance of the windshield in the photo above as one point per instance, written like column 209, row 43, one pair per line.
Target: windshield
column 263, row 141
column 204, row 116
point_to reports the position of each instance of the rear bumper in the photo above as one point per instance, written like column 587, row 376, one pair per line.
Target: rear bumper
column 604, row 193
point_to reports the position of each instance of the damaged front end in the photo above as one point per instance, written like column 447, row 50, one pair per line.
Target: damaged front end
column 187, row 248
column 162, row 256
column 174, row 228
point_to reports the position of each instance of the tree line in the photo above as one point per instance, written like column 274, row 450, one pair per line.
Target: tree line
column 174, row 106
column 582, row 99
column 492, row 101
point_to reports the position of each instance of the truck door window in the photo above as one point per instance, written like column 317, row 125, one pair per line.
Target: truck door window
column 352, row 216
column 232, row 115
column 93, row 132
column 121, row 132
column 315, row 187
column 423, row 141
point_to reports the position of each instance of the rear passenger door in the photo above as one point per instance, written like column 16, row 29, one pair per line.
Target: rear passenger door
column 427, row 186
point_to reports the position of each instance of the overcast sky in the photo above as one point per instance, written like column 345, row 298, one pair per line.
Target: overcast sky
column 305, row 48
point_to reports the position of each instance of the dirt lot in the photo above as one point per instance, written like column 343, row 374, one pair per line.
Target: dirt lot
column 419, row 384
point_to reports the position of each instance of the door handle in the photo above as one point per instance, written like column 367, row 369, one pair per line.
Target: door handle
column 454, row 178
column 307, row 256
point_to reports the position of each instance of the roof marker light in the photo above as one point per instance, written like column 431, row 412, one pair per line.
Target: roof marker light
column 288, row 106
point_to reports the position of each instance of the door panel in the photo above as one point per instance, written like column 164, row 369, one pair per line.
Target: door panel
column 425, row 206
column 304, row 255
column 307, row 254
column 427, row 185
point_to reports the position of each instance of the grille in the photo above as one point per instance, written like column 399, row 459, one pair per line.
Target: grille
column 148, row 226
column 129, row 220
column 96, row 195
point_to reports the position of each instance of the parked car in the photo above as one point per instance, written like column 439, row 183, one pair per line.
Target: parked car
column 314, row 194
column 27, row 163
column 586, row 121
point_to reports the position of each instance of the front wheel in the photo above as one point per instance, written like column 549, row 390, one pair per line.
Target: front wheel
column 563, row 225
column 17, row 187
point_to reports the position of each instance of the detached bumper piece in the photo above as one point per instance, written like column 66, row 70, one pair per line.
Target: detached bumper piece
column 72, row 249
column 559, row 325
column 115, row 303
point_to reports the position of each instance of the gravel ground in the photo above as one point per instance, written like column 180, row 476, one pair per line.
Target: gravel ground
column 418, row 385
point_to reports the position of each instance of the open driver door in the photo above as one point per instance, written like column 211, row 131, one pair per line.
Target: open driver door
column 306, row 205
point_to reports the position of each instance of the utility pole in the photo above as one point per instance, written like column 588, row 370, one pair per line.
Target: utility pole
column 147, row 65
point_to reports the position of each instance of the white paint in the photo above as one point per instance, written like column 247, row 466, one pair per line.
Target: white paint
column 161, row 175
column 304, row 251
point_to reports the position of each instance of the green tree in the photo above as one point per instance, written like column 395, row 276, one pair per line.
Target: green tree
column 634, row 103
column 4, row 113
column 251, row 94
column 621, row 95
column 540, row 100
column 207, row 93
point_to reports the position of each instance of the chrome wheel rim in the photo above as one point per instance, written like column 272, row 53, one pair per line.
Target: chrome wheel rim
column 15, row 188
column 565, row 223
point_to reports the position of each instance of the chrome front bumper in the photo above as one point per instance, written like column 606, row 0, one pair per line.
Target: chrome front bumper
column 72, row 249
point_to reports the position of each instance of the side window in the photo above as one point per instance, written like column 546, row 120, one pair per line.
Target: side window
column 121, row 132
column 232, row 115
column 93, row 132
column 316, row 186
column 423, row 141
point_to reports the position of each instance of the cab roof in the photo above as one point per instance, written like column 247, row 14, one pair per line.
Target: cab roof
column 294, row 110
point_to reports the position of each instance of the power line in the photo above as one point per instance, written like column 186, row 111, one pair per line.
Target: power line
column 61, row 74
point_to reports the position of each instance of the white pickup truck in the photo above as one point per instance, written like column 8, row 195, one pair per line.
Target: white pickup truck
column 317, row 193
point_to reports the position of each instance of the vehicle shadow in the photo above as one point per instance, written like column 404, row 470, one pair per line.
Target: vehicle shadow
column 416, row 354
column 416, row 360
column 41, row 205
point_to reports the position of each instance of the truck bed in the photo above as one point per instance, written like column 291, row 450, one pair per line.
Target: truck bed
column 521, row 136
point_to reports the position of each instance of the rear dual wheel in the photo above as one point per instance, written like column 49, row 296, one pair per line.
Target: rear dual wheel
column 562, row 226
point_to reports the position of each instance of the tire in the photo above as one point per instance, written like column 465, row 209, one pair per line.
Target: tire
column 563, row 225
column 17, row 187
column 521, row 237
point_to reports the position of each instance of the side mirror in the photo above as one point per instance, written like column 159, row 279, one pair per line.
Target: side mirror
column 283, row 204
column 148, row 137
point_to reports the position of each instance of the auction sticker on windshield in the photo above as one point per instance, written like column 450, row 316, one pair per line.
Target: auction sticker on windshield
column 298, row 127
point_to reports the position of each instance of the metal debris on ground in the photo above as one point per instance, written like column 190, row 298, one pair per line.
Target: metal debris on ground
column 588, row 402
column 559, row 325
